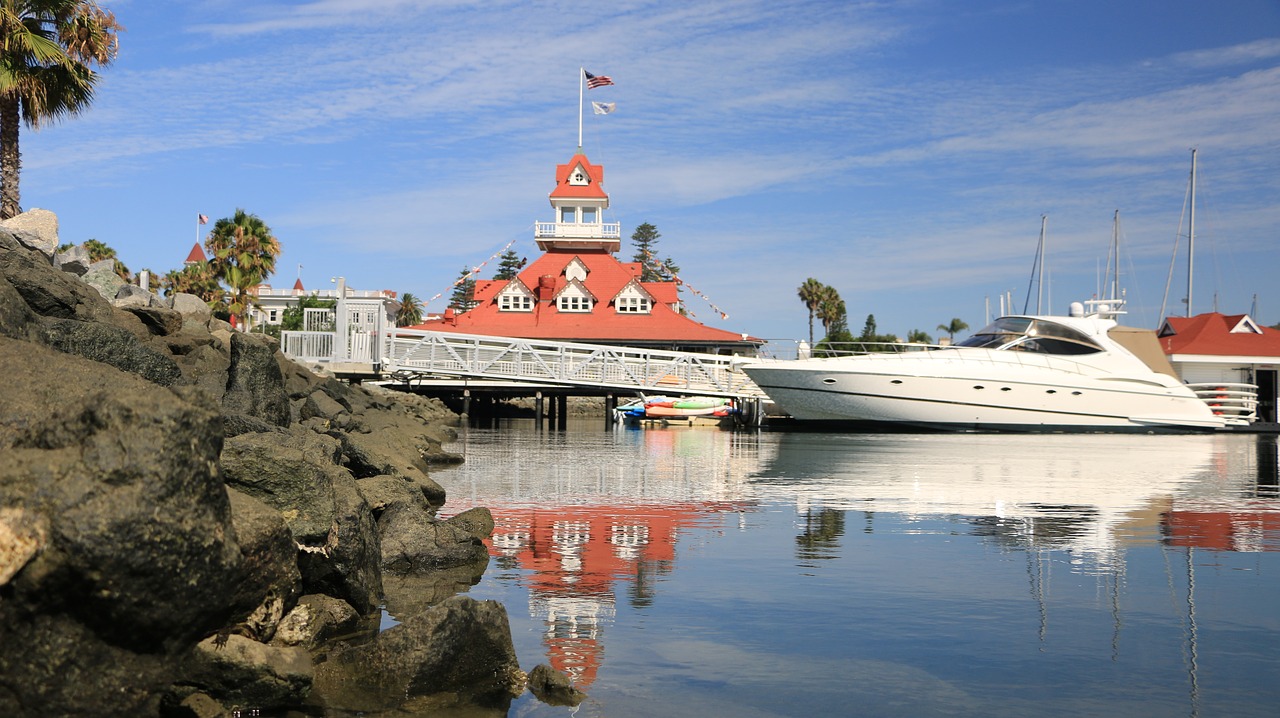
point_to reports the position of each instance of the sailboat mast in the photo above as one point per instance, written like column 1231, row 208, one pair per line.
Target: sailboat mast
column 1115, row 252
column 1044, row 223
column 1191, row 233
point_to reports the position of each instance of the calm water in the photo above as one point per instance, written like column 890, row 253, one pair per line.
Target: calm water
column 694, row 572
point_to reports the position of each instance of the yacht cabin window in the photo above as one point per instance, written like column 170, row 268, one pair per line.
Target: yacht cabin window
column 1031, row 335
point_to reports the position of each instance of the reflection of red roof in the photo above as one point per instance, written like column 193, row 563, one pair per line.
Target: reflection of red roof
column 1216, row 334
column 196, row 255
column 1251, row 526
column 606, row 277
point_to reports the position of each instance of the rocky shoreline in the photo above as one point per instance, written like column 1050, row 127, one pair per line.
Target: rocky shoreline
column 191, row 524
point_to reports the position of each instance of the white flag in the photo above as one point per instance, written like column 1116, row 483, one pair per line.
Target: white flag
column 603, row 108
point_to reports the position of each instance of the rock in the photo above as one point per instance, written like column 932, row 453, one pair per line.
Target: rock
column 17, row 321
column 244, row 673
column 297, row 474
column 47, row 291
column 461, row 647
column 40, row 227
column 23, row 535
column 412, row 540
column 131, row 296
column 124, row 475
column 200, row 705
column 315, row 619
column 255, row 385
column 74, row 260
column 112, row 346
column 553, row 687
column 158, row 320
column 102, row 277
column 191, row 307
column 271, row 582
column 477, row 521
column 206, row 368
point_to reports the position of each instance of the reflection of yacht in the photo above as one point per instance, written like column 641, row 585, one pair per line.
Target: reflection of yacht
column 1021, row 373
column 1083, row 493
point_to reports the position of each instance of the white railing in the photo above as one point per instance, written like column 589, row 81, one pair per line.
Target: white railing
column 550, row 230
column 449, row 354
column 307, row 346
column 1237, row 403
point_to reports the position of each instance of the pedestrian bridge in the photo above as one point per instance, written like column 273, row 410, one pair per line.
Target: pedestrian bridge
column 406, row 355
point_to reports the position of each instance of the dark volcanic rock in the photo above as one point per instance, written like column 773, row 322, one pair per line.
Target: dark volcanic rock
column 123, row 474
column 255, row 385
column 553, row 687
column 461, row 647
column 270, row 564
column 110, row 345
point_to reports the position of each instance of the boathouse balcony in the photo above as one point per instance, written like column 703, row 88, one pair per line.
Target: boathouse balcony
column 605, row 235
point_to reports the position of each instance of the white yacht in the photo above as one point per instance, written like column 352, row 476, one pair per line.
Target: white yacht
column 1081, row 372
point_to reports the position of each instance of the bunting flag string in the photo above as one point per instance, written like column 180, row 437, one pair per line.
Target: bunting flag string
column 691, row 288
column 471, row 274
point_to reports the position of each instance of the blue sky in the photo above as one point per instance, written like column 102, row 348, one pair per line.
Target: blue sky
column 902, row 152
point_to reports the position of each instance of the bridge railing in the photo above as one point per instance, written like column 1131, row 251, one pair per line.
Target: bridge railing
column 451, row 354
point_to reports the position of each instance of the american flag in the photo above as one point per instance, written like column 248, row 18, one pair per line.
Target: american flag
column 202, row 219
column 594, row 81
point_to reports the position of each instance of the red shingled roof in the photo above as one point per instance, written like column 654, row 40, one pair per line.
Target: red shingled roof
column 595, row 179
column 1216, row 334
column 605, row 279
column 196, row 255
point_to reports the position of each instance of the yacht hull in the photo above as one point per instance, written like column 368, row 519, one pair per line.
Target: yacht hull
column 977, row 390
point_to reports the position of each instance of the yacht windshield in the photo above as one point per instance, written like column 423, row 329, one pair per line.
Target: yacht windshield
column 1031, row 335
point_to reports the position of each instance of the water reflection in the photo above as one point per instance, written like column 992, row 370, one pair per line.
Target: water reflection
column 595, row 526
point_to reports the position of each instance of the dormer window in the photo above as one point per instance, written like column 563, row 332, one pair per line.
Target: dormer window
column 515, row 298
column 574, row 304
column 579, row 177
column 575, row 270
column 634, row 305
column 633, row 300
column 575, row 298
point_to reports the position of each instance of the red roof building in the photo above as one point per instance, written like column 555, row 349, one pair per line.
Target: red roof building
column 195, row 256
column 579, row 291
column 1224, row 348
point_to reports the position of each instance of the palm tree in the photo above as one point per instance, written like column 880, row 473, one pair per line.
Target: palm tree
column 194, row 279
column 956, row 325
column 242, row 253
column 831, row 308
column 810, row 293
column 410, row 311
column 47, row 53
column 99, row 251
column 918, row 336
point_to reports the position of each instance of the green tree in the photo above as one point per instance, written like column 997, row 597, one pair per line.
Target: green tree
column 48, row 50
column 242, row 254
column 918, row 336
column 194, row 279
column 509, row 265
column 291, row 319
column 956, row 326
column 99, row 251
column 464, row 292
column 410, row 311
column 652, row 267
column 830, row 308
column 811, row 294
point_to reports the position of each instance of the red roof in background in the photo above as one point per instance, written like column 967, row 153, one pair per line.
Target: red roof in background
column 1211, row 334
column 297, row 286
column 595, row 179
column 196, row 255
column 606, row 276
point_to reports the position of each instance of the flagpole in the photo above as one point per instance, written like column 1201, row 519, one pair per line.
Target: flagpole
column 582, row 73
